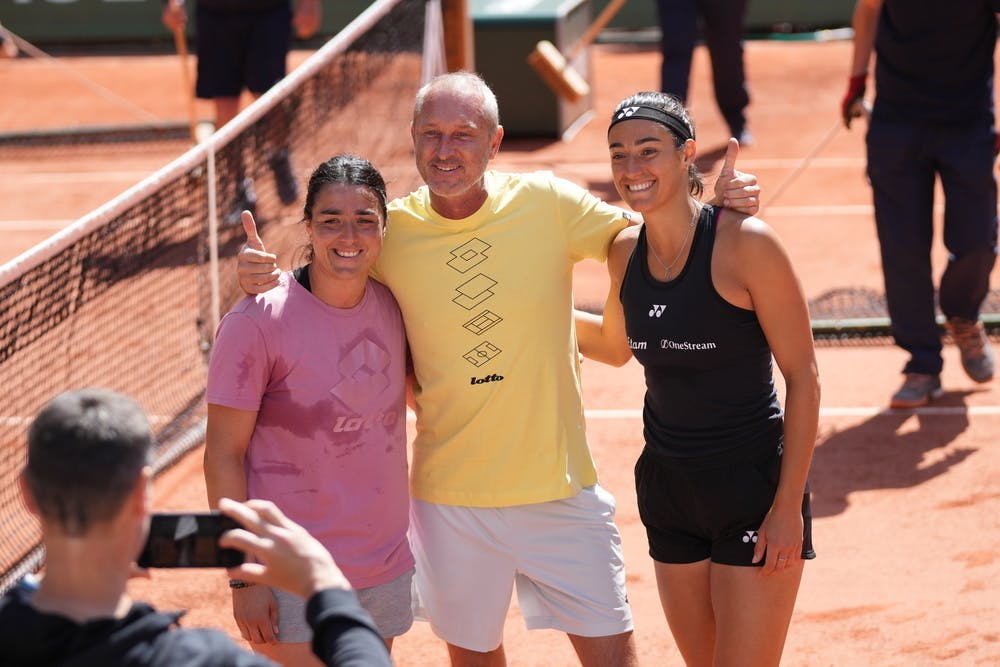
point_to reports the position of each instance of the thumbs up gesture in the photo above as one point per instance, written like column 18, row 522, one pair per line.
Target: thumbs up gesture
column 257, row 269
column 735, row 189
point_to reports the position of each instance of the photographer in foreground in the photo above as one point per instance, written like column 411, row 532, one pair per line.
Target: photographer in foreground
column 88, row 479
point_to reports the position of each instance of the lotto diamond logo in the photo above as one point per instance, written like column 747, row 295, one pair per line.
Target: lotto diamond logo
column 364, row 370
column 474, row 291
column 468, row 255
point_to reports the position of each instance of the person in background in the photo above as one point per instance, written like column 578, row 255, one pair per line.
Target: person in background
column 933, row 117
column 703, row 297
column 722, row 23
column 8, row 47
column 505, row 491
column 307, row 407
column 88, row 480
column 244, row 45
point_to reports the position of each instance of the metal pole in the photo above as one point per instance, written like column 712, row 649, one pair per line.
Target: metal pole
column 458, row 37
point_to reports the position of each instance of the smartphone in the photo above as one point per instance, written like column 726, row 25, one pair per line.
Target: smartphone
column 188, row 540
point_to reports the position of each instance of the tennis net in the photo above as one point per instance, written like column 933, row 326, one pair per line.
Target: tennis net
column 127, row 298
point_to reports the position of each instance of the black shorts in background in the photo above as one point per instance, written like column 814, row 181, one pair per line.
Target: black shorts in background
column 242, row 50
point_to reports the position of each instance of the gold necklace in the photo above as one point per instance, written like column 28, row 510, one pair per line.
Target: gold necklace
column 687, row 235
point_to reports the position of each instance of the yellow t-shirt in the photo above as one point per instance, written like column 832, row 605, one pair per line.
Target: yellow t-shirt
column 487, row 303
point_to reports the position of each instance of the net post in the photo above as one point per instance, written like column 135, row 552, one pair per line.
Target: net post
column 434, row 62
column 458, row 40
column 213, row 243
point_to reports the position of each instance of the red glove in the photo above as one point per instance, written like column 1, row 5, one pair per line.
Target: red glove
column 853, row 104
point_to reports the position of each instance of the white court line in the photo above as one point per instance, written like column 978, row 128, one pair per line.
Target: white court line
column 859, row 411
column 946, row 411
column 812, row 211
column 24, row 421
column 749, row 164
column 71, row 177
column 602, row 415
column 34, row 225
column 820, row 210
column 816, row 211
column 746, row 164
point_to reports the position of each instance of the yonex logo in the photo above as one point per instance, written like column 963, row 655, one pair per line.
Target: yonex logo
column 656, row 310
column 626, row 112
column 750, row 536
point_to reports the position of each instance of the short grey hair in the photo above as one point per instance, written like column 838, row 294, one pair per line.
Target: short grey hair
column 466, row 84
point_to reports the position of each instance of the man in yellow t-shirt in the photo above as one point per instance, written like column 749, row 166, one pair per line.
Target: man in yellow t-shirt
column 504, row 487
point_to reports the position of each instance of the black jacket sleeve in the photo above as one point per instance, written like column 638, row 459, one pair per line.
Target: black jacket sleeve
column 343, row 632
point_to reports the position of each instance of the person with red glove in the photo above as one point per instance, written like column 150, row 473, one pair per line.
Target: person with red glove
column 932, row 117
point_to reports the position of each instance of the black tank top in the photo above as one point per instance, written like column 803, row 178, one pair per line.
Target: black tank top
column 709, row 383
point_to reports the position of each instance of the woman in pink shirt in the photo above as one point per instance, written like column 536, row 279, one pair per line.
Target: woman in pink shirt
column 306, row 407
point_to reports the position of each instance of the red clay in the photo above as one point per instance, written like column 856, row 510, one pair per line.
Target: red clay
column 907, row 506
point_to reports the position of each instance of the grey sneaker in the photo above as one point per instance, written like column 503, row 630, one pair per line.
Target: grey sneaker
column 284, row 177
column 8, row 47
column 918, row 389
column 246, row 200
column 977, row 353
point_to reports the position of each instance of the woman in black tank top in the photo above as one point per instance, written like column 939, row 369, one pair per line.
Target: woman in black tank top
column 703, row 297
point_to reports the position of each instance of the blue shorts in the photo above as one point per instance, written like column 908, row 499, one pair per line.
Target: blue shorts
column 242, row 50
column 711, row 507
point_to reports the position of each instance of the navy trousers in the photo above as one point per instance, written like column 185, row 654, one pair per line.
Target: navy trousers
column 903, row 161
column 722, row 24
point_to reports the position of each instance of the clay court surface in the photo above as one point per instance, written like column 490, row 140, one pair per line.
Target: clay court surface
column 907, row 503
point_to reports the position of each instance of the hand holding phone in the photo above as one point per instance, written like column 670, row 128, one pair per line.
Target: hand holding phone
column 188, row 539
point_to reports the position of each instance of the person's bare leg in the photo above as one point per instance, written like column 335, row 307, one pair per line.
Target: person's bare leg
column 618, row 650
column 463, row 657
column 226, row 109
column 686, row 597
column 752, row 614
column 297, row 654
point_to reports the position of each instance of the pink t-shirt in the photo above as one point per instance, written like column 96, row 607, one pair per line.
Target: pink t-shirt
column 329, row 446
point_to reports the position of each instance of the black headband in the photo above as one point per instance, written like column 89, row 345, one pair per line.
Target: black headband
column 672, row 122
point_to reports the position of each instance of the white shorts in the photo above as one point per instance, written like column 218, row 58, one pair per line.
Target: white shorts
column 565, row 557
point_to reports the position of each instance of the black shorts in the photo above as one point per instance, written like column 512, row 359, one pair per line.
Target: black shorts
column 242, row 50
column 711, row 507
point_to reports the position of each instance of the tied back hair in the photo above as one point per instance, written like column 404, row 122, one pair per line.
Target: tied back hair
column 668, row 104
column 344, row 169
